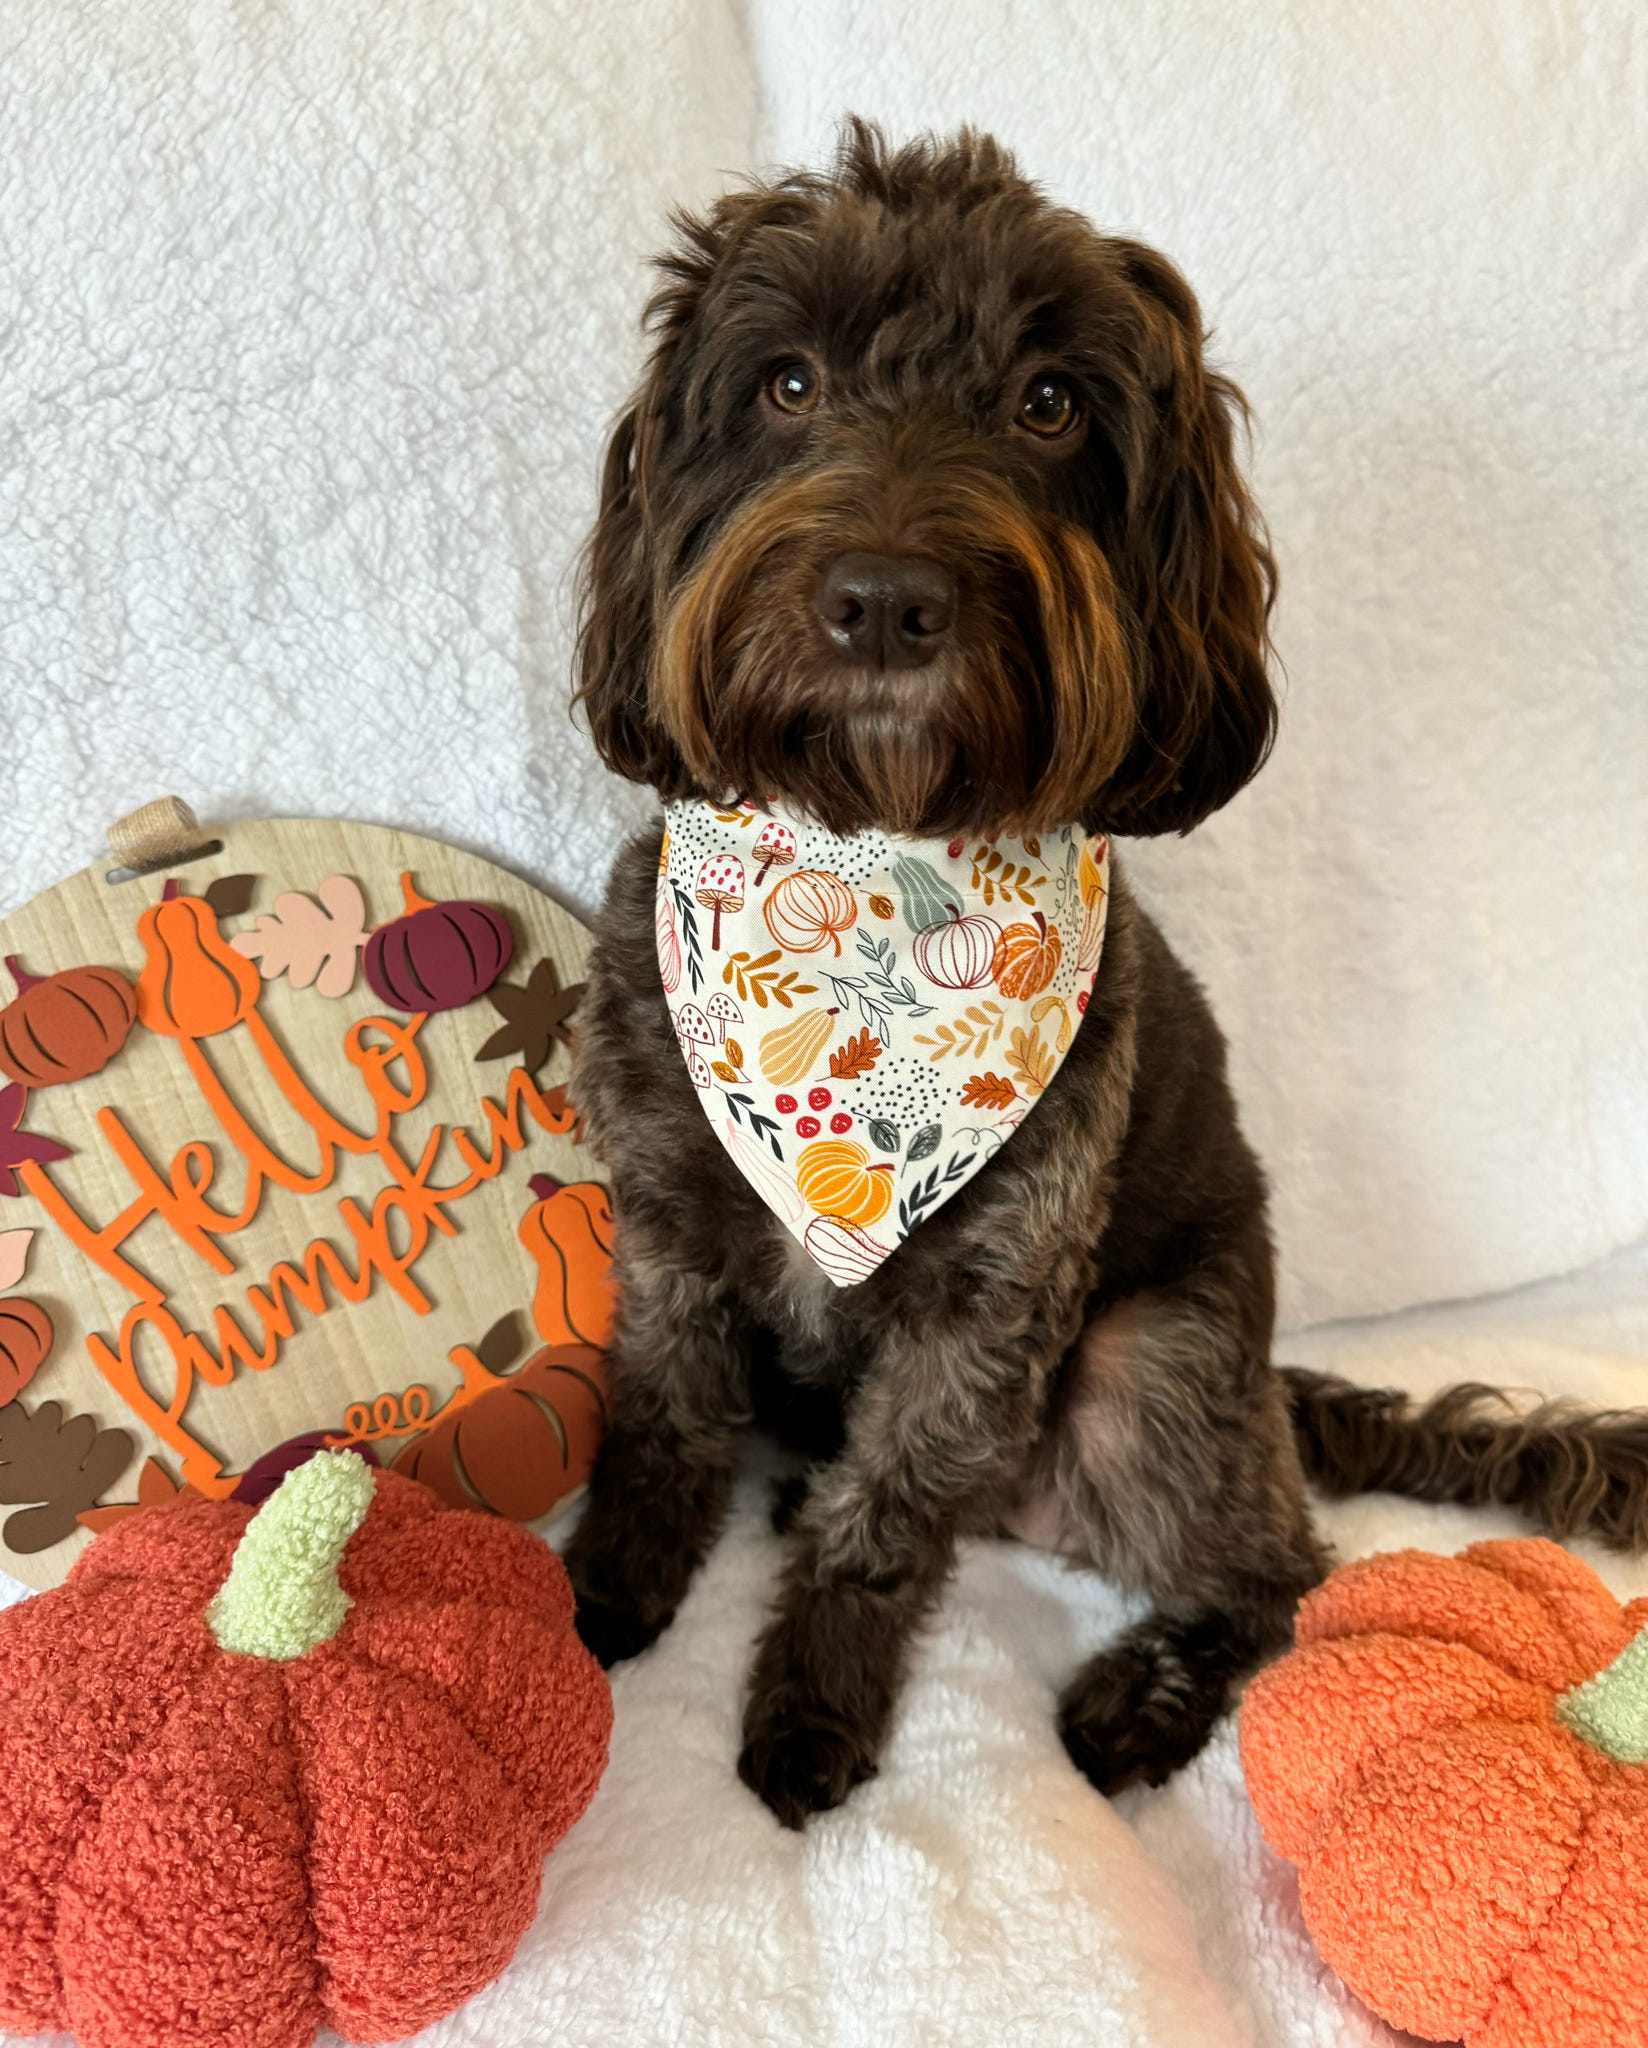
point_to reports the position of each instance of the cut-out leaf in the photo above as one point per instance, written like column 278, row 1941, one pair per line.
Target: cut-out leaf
column 537, row 1017
column 231, row 895
column 156, row 1488
column 57, row 1464
column 502, row 1344
column 315, row 941
column 16, row 1145
column 14, row 1255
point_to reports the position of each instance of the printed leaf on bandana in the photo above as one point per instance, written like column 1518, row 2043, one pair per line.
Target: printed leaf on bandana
column 988, row 1091
column 925, row 1142
column 1031, row 1058
column 759, row 981
column 851, row 1061
column 885, row 1135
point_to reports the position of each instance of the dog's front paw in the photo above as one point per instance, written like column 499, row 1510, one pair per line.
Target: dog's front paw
column 799, row 1765
column 613, row 1634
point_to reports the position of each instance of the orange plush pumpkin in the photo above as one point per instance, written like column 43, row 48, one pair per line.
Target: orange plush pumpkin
column 836, row 1178
column 1027, row 957
column 524, row 1445
column 65, row 1026
column 26, row 1335
column 193, row 984
column 1456, row 1757
column 261, row 1774
column 568, row 1231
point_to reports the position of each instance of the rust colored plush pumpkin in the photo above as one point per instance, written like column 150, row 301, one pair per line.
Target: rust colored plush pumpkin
column 568, row 1231
column 193, row 984
column 264, row 1774
column 523, row 1446
column 62, row 1027
column 26, row 1335
column 836, row 1179
column 437, row 956
column 1027, row 957
column 1456, row 1757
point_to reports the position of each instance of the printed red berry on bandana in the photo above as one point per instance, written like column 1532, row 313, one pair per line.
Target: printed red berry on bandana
column 818, row 1098
column 806, row 1126
column 840, row 1122
column 784, row 1104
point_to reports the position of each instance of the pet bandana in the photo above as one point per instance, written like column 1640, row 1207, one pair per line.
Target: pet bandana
column 868, row 1019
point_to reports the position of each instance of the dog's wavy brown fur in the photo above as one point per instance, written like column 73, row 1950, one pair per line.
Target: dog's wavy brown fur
column 1077, row 1346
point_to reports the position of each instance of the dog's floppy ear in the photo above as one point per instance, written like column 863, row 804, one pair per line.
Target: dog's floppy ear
column 615, row 616
column 1199, row 574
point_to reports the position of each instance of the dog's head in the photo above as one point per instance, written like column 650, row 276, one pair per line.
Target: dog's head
column 926, row 516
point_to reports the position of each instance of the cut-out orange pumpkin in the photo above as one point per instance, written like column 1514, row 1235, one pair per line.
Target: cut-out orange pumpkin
column 193, row 984
column 1456, row 1757
column 524, row 1445
column 568, row 1231
column 26, row 1335
column 836, row 1179
column 62, row 1027
column 1027, row 957
column 262, row 1774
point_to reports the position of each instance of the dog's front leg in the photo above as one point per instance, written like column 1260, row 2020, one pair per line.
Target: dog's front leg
column 679, row 1374
column 936, row 1432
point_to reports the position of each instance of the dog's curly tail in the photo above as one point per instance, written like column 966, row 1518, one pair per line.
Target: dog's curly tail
column 1576, row 1473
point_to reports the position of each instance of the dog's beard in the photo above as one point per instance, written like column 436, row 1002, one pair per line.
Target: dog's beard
column 1011, row 727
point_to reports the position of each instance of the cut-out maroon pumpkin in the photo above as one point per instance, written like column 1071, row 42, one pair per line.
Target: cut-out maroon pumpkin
column 62, row 1027
column 262, row 1774
column 193, row 984
column 523, row 1445
column 1027, row 957
column 437, row 956
column 568, row 1231
column 26, row 1335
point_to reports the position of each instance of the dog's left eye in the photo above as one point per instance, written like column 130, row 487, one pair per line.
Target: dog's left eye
column 1047, row 408
column 794, row 387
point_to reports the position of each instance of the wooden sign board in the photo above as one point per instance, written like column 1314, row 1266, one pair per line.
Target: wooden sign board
column 285, row 1148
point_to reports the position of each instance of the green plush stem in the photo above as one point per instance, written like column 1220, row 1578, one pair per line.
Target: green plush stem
column 282, row 1595
column 1610, row 1711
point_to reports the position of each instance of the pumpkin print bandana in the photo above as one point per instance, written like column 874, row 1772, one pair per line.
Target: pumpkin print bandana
column 868, row 1019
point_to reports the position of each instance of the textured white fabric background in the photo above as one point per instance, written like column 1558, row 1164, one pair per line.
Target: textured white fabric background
column 313, row 316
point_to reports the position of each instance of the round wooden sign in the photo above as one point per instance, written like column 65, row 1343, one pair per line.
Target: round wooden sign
column 286, row 1155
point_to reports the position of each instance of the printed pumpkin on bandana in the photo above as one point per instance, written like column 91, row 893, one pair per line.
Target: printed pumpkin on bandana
column 867, row 1019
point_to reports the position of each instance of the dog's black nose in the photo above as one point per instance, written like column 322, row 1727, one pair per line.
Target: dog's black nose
column 886, row 611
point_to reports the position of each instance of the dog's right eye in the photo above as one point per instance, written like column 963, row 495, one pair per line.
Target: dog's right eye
column 794, row 387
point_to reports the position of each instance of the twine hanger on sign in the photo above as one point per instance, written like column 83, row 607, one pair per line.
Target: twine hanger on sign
column 162, row 834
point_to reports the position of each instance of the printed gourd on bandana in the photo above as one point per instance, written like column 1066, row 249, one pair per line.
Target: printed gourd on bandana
column 866, row 1020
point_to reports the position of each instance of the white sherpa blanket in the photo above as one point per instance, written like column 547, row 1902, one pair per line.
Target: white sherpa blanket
column 977, row 1894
